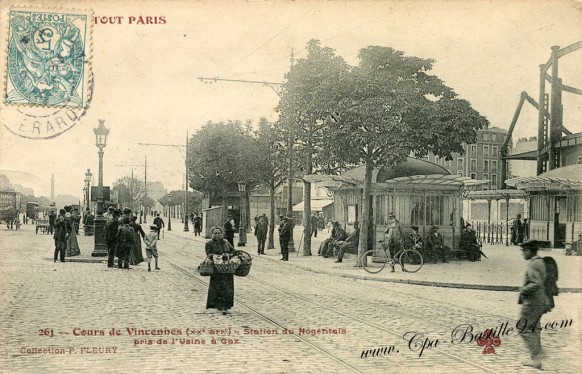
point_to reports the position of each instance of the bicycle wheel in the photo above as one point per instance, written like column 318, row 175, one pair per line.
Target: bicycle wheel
column 373, row 263
column 410, row 261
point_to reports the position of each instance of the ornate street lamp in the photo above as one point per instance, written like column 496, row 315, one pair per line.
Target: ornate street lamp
column 88, row 177
column 169, row 212
column 100, row 249
column 242, row 232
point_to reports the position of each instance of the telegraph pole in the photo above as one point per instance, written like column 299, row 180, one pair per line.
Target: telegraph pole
column 180, row 146
column 277, row 87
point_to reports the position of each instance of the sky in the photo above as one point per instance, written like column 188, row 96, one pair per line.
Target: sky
column 147, row 90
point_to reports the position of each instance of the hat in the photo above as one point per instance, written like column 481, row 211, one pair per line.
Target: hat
column 391, row 215
column 413, row 227
column 153, row 227
column 435, row 226
column 530, row 243
column 126, row 210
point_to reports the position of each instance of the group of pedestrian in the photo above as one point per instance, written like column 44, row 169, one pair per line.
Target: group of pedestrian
column 519, row 230
column 65, row 234
column 123, row 236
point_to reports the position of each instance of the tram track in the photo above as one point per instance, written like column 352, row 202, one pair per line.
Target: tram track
column 459, row 356
column 315, row 305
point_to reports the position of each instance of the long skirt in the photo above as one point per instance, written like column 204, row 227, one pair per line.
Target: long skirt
column 220, row 292
column 73, row 245
column 135, row 255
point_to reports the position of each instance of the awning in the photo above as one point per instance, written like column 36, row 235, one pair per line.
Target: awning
column 565, row 177
column 316, row 205
column 495, row 194
column 338, row 181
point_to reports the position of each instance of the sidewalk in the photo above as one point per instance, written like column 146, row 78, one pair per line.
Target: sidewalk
column 503, row 271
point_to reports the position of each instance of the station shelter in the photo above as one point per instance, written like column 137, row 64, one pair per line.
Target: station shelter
column 555, row 204
column 418, row 192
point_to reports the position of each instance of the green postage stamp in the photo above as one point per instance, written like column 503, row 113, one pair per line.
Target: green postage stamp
column 48, row 58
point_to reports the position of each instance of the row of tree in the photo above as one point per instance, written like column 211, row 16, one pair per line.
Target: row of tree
column 334, row 116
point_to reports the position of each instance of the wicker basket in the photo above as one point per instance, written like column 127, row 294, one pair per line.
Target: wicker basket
column 206, row 268
column 243, row 270
column 246, row 261
column 226, row 267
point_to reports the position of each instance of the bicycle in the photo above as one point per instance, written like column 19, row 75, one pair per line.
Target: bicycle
column 410, row 260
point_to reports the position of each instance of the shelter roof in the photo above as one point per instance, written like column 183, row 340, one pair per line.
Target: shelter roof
column 411, row 166
column 412, row 172
column 495, row 194
column 316, row 205
column 565, row 177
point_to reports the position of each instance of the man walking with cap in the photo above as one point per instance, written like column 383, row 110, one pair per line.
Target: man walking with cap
column 285, row 236
column 534, row 303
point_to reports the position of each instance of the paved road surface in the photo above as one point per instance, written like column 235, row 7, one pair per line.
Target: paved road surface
column 94, row 314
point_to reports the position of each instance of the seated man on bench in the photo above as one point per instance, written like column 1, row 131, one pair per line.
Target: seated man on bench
column 470, row 244
column 350, row 245
column 435, row 244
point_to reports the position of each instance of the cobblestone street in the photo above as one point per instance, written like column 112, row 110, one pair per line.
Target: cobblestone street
column 81, row 316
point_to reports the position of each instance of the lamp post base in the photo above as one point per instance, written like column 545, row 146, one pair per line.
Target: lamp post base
column 100, row 249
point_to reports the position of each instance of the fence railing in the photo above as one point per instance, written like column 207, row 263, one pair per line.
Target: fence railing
column 496, row 232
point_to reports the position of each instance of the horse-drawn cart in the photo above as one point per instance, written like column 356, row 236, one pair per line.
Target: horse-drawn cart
column 42, row 224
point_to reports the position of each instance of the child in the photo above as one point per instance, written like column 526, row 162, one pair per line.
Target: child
column 151, row 241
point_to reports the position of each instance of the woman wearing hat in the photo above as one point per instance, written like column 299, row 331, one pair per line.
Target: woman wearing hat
column 221, row 286
column 72, row 242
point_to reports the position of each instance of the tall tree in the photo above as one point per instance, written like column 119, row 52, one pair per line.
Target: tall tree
column 304, row 108
column 221, row 154
column 389, row 107
column 271, row 164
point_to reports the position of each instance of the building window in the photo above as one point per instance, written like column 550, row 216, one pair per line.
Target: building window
column 493, row 138
column 473, row 164
column 473, row 150
column 485, row 137
column 494, row 151
column 460, row 164
column 473, row 176
column 485, row 165
column 494, row 180
column 486, row 176
column 485, row 151
column 494, row 165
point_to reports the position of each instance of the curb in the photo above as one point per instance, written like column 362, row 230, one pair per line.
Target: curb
column 482, row 287
column 96, row 260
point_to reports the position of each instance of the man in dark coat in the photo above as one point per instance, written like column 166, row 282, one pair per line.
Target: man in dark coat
column 62, row 229
column 470, row 244
column 534, row 303
column 125, row 240
column 314, row 222
column 261, row 234
column 229, row 231
column 197, row 222
column 111, row 228
column 350, row 245
column 285, row 237
column 52, row 218
column 159, row 222
column 436, row 243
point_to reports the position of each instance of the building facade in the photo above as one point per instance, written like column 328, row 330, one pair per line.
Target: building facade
column 482, row 160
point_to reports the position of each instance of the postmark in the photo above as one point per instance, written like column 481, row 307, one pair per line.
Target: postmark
column 48, row 82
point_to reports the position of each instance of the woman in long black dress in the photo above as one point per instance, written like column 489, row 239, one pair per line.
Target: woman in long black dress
column 221, row 286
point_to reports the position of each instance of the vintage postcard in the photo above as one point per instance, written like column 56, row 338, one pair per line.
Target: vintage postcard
column 304, row 186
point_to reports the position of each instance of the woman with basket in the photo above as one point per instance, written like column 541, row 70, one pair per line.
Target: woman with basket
column 221, row 286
